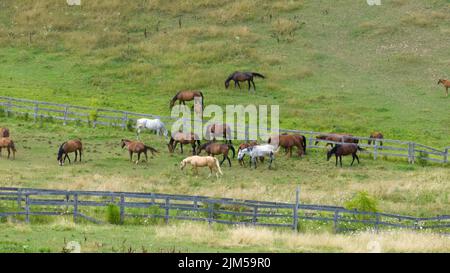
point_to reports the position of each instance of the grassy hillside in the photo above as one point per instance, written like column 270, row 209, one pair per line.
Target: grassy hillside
column 344, row 66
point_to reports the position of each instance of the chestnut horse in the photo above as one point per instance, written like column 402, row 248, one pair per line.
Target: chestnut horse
column 4, row 132
column 186, row 95
column 288, row 142
column 336, row 137
column 219, row 130
column 344, row 149
column 242, row 77
column 137, row 147
column 375, row 135
column 183, row 138
column 212, row 148
column 446, row 84
column 6, row 142
column 71, row 146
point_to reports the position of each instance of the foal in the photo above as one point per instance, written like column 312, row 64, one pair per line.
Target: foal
column 6, row 142
column 344, row 149
column 137, row 147
column 446, row 84
column 71, row 146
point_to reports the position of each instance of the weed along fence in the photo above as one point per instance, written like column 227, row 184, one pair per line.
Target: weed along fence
column 39, row 111
column 29, row 205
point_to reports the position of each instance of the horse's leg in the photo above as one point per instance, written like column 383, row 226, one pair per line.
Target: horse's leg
column 222, row 160
column 336, row 160
column 340, row 159
column 80, row 154
column 181, row 145
column 76, row 155
column 9, row 152
column 357, row 158
column 193, row 148
column 229, row 161
column 146, row 157
column 67, row 155
column 254, row 87
column 139, row 157
column 131, row 156
column 353, row 155
column 248, row 85
column 290, row 152
column 238, row 84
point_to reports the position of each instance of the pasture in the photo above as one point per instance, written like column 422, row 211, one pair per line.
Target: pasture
column 346, row 67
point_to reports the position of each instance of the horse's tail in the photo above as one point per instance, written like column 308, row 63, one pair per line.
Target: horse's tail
column 258, row 75
column 13, row 147
column 152, row 150
column 359, row 148
column 218, row 165
column 304, row 144
column 232, row 149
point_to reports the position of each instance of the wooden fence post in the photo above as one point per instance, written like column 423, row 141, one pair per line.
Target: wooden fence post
column 335, row 220
column 122, row 208
column 19, row 198
column 377, row 222
column 446, row 155
column 66, row 112
column 310, row 140
column 75, row 207
column 167, row 210
column 411, row 152
column 255, row 215
column 297, row 195
column 124, row 120
column 375, row 150
column 210, row 212
column 36, row 111
column 27, row 208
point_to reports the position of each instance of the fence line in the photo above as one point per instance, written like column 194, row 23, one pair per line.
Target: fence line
column 107, row 117
column 40, row 202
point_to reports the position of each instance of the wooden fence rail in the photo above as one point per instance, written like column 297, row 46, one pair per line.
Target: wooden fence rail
column 39, row 202
column 106, row 117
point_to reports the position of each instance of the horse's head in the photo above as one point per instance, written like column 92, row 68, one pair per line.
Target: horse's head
column 440, row 81
column 227, row 84
column 243, row 152
column 60, row 155
column 123, row 143
column 331, row 151
column 182, row 164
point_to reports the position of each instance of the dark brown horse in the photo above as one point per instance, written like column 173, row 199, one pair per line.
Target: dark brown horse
column 336, row 137
column 6, row 142
column 71, row 146
column 186, row 95
column 344, row 149
column 183, row 138
column 242, row 77
column 4, row 132
column 219, row 130
column 446, row 84
column 137, row 147
column 288, row 142
column 377, row 135
column 213, row 148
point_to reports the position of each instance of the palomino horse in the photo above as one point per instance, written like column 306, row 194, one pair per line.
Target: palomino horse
column 151, row 124
column 336, row 137
column 344, row 149
column 137, row 147
column 446, row 84
column 258, row 151
column 377, row 135
column 288, row 142
column 6, row 142
column 242, row 77
column 222, row 131
column 186, row 95
column 202, row 161
column 212, row 148
column 4, row 132
column 71, row 146
column 183, row 138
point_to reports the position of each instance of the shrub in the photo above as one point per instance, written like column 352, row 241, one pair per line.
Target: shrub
column 422, row 159
column 113, row 214
column 362, row 201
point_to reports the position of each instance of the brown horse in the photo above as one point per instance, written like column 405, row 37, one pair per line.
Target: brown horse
column 137, row 147
column 219, row 130
column 71, row 146
column 446, row 84
column 336, row 137
column 288, row 142
column 244, row 146
column 6, row 142
column 344, row 149
column 212, row 148
column 183, row 138
column 375, row 135
column 242, row 77
column 186, row 95
column 4, row 132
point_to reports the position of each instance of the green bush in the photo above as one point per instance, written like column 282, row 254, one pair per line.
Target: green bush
column 422, row 159
column 113, row 214
column 362, row 201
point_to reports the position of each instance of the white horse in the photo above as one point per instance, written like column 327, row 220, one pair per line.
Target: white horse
column 259, row 151
column 151, row 124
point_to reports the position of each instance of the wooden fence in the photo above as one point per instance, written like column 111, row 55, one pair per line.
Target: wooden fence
column 25, row 203
column 38, row 110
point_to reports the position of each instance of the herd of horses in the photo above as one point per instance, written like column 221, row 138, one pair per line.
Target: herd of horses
column 347, row 143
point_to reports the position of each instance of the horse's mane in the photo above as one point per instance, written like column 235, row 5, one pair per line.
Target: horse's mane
column 61, row 150
column 176, row 95
column 231, row 76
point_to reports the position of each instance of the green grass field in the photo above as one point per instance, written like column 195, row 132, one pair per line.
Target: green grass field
column 344, row 67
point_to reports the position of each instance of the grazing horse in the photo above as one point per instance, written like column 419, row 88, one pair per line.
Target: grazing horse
column 202, row 161
column 4, row 132
column 258, row 151
column 242, row 77
column 288, row 142
column 137, row 147
column 183, row 138
column 222, row 131
column 150, row 124
column 344, row 149
column 186, row 95
column 446, row 84
column 336, row 137
column 6, row 142
column 375, row 135
column 212, row 148
column 71, row 146
column 246, row 145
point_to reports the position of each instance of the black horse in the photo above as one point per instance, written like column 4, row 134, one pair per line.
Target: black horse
column 242, row 77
